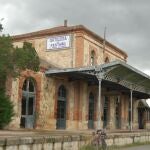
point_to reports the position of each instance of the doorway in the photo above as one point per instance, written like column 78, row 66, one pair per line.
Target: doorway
column 91, row 112
column 117, row 112
column 141, row 111
column 105, row 112
column 28, row 104
column 141, row 118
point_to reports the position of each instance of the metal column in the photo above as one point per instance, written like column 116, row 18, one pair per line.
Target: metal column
column 99, row 104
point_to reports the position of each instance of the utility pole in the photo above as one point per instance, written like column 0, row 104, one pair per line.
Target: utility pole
column 104, row 42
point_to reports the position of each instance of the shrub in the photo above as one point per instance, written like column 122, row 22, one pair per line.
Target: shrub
column 6, row 110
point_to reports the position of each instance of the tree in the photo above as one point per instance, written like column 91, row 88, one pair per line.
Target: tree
column 13, row 60
column 6, row 110
column 1, row 27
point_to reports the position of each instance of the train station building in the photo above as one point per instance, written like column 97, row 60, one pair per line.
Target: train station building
column 84, row 83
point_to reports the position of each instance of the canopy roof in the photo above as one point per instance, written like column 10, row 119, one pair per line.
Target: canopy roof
column 117, row 75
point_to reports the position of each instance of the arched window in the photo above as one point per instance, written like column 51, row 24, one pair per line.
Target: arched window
column 106, row 60
column 28, row 104
column 61, row 108
column 92, row 59
column 62, row 92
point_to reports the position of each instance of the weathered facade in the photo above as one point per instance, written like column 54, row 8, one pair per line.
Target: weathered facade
column 94, row 93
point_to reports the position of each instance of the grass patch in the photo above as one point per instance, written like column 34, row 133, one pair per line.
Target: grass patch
column 134, row 144
column 114, row 147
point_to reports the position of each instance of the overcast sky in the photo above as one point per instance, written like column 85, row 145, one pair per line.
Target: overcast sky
column 127, row 21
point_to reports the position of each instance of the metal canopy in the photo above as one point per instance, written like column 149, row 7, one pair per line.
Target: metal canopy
column 117, row 73
column 127, row 76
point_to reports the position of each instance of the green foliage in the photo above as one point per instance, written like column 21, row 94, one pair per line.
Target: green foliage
column 13, row 60
column 1, row 27
column 26, row 57
column 6, row 110
column 6, row 65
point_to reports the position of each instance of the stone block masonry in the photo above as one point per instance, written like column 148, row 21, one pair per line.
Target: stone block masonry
column 43, row 143
column 120, row 139
column 69, row 142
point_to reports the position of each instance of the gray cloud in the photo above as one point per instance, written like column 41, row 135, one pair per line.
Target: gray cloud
column 127, row 21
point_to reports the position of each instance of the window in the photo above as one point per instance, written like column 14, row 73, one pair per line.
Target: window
column 106, row 60
column 105, row 111
column 62, row 92
column 28, row 104
column 91, row 106
column 61, row 108
column 92, row 59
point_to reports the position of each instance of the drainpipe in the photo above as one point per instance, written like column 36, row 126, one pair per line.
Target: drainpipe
column 131, row 102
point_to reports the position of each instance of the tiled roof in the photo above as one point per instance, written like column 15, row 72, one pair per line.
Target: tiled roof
column 66, row 29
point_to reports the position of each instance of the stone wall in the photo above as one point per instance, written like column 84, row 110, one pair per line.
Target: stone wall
column 46, row 113
column 77, row 103
column 147, row 125
column 111, row 121
column 72, row 142
column 44, row 143
column 121, row 139
column 91, row 44
column 78, row 55
column 65, row 56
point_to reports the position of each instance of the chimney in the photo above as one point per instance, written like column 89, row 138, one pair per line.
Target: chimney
column 65, row 23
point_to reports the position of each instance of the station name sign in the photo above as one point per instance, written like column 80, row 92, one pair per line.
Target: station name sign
column 59, row 42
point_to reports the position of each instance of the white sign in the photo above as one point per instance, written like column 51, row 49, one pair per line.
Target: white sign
column 58, row 42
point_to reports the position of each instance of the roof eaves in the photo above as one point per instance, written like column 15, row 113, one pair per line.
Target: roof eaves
column 67, row 70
